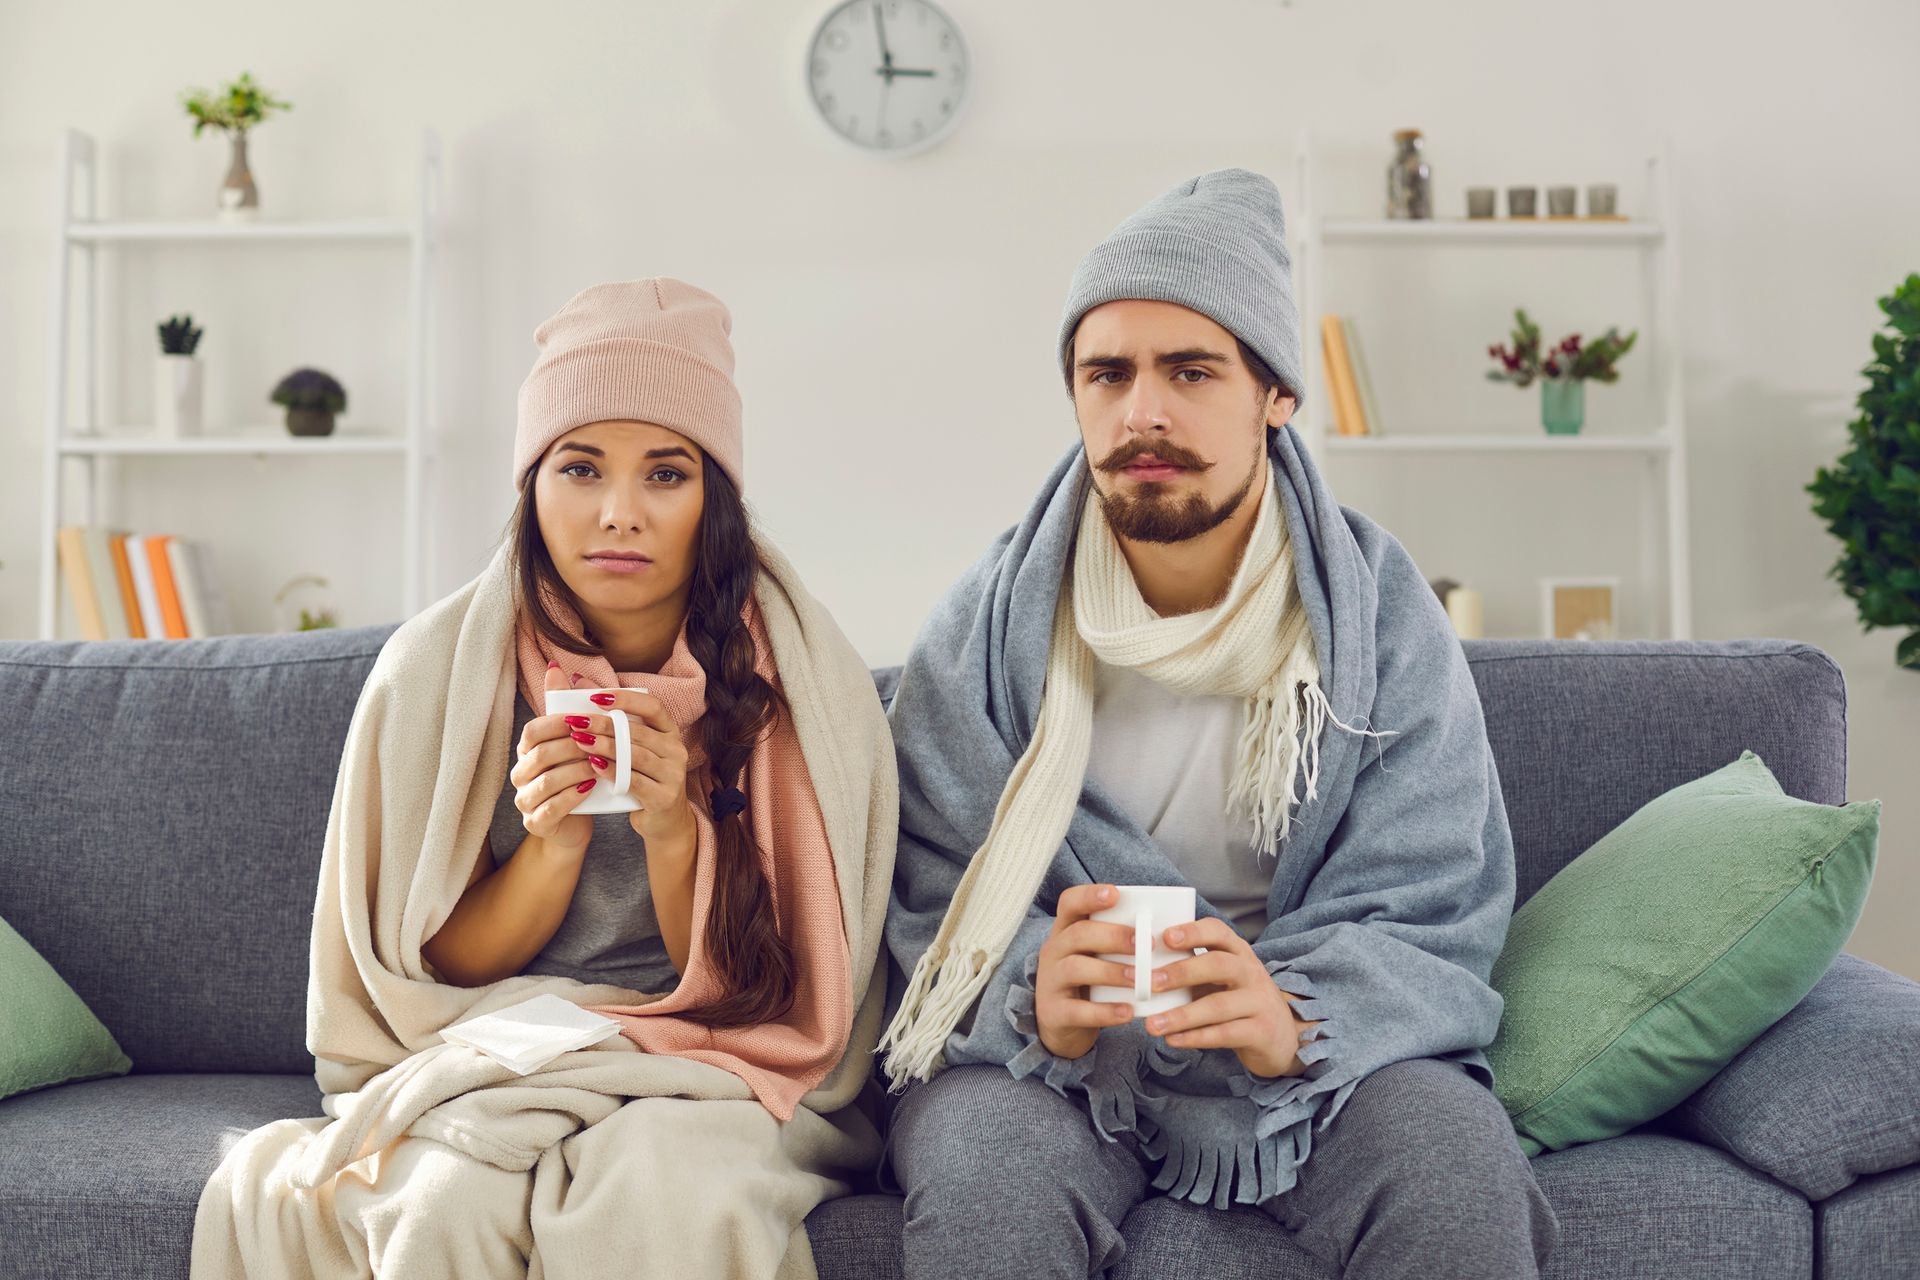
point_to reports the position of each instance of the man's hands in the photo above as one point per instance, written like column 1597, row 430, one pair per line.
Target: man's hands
column 1237, row 1005
column 1070, row 962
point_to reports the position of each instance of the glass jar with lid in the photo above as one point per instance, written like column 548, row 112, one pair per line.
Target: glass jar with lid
column 1409, row 178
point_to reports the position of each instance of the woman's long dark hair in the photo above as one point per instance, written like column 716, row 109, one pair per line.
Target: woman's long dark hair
column 743, row 934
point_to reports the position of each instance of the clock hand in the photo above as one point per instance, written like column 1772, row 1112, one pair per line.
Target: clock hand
column 891, row 72
column 886, row 54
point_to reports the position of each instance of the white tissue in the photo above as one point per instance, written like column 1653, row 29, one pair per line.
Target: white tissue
column 525, row 1037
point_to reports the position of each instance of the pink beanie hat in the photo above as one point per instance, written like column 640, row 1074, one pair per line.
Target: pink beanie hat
column 653, row 350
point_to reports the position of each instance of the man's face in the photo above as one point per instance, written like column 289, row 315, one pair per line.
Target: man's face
column 1173, row 420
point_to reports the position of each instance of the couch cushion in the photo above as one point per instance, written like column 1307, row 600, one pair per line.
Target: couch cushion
column 1643, row 1204
column 204, row 967
column 1650, row 1204
column 1585, row 732
column 1871, row 1231
column 1831, row 1092
column 143, row 861
column 133, row 1153
column 1657, row 955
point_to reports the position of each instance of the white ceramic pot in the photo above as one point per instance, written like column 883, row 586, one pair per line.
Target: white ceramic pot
column 177, row 380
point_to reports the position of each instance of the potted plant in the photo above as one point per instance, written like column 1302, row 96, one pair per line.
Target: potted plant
column 177, row 379
column 308, row 608
column 1871, row 497
column 236, row 108
column 1563, row 372
column 311, row 397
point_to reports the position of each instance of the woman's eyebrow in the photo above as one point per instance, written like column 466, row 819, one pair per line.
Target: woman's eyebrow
column 666, row 451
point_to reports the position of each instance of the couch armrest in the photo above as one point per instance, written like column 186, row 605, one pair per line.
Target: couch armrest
column 1829, row 1093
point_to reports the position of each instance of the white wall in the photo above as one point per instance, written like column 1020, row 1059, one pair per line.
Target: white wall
column 894, row 321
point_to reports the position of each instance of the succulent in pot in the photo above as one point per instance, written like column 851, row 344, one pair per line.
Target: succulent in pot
column 178, row 379
column 311, row 397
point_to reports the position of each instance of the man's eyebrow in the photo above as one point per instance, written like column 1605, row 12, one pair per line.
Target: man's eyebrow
column 1189, row 356
column 666, row 451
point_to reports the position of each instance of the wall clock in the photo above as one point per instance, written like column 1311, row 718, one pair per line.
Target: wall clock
column 889, row 76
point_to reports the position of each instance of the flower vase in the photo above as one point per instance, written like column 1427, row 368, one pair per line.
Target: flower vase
column 1563, row 405
column 239, row 198
column 177, row 383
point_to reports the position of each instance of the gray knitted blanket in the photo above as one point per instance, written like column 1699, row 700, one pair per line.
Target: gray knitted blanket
column 1391, row 895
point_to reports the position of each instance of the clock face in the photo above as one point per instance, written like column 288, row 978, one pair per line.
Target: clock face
column 888, row 75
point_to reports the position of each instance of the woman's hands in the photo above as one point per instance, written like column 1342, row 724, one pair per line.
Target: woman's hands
column 551, row 776
column 658, row 776
column 1237, row 1005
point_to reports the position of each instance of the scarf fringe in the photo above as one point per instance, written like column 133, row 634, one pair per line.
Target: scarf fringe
column 937, row 997
column 1270, row 759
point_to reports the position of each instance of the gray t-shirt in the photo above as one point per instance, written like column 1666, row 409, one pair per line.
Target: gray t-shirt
column 610, row 933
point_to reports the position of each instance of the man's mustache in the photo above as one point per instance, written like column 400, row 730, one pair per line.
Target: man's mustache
column 1171, row 453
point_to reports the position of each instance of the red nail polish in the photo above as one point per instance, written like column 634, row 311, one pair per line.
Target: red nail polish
column 578, row 722
column 584, row 739
column 586, row 786
column 599, row 762
column 601, row 699
column 553, row 666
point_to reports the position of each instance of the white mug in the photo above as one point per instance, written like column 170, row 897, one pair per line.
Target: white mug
column 1151, row 909
column 612, row 794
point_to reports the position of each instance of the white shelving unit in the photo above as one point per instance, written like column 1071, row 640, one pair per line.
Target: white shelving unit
column 1654, row 242
column 96, row 448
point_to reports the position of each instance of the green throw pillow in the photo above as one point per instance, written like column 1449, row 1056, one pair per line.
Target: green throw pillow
column 47, row 1034
column 1657, row 955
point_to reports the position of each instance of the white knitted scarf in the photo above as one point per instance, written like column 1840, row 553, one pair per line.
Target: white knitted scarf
column 1255, row 643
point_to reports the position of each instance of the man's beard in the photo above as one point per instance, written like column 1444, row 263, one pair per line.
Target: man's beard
column 1153, row 515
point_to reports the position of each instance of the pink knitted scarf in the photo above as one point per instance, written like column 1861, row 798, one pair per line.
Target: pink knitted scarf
column 780, row 1061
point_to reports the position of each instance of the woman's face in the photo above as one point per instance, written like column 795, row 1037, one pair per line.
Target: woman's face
column 629, row 488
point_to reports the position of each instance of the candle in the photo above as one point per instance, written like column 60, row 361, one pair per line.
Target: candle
column 1463, row 607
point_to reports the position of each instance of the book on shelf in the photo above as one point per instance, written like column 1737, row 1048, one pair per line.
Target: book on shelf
column 1369, row 408
column 130, row 586
column 1349, row 414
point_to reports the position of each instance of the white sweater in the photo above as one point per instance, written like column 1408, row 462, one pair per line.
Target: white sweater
column 1167, row 759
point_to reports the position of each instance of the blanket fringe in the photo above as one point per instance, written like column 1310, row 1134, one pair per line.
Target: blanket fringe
column 1259, row 1162
column 1245, row 1169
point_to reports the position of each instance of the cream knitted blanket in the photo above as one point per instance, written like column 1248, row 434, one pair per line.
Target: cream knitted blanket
column 609, row 1160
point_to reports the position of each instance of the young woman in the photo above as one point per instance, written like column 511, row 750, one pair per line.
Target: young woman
column 727, row 928
column 635, row 531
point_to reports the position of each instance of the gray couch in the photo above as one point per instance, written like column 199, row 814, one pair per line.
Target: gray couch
column 133, row 859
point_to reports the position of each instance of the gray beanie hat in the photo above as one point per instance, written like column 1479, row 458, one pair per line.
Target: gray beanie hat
column 1216, row 244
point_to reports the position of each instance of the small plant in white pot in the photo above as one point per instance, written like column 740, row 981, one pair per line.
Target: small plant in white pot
column 311, row 397
column 177, row 380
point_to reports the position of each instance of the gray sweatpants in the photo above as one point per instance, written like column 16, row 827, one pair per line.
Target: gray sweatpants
column 1420, row 1175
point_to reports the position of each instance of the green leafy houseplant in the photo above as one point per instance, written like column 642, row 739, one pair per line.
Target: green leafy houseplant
column 1870, row 498
column 236, row 108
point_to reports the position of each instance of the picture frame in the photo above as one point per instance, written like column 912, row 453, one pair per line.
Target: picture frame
column 1580, row 608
